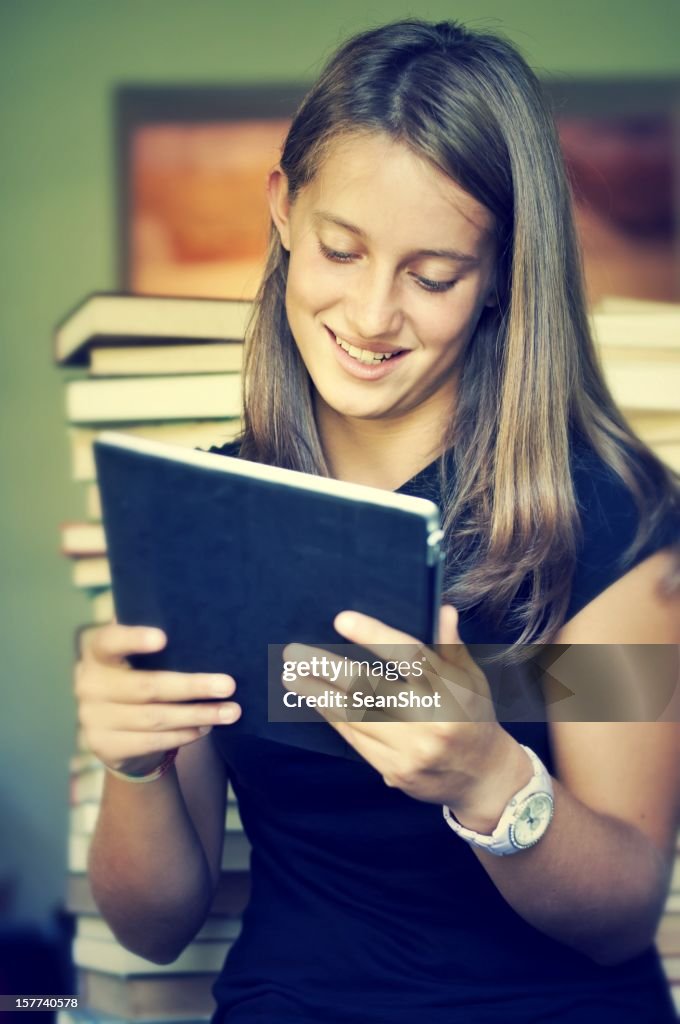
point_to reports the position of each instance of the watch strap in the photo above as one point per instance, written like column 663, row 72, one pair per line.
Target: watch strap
column 501, row 842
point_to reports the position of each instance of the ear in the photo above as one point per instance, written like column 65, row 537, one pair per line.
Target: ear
column 279, row 204
column 491, row 298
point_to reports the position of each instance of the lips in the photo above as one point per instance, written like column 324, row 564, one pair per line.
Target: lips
column 355, row 348
column 365, row 365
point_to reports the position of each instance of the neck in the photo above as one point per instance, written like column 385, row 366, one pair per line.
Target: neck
column 379, row 453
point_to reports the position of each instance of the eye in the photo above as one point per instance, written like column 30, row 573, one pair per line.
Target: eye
column 335, row 255
column 433, row 286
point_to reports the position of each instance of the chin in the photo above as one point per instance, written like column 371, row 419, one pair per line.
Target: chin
column 351, row 407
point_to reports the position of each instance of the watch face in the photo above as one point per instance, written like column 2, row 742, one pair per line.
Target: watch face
column 532, row 820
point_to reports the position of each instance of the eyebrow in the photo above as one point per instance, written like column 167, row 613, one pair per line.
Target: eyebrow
column 447, row 254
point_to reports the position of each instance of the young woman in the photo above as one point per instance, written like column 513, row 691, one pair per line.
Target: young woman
column 421, row 327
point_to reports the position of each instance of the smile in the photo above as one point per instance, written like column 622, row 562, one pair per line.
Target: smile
column 363, row 355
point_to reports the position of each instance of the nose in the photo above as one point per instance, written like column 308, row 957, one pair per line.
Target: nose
column 372, row 307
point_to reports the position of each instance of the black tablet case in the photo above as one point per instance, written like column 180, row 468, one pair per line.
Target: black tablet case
column 227, row 565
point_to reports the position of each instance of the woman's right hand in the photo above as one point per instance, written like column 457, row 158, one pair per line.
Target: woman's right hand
column 132, row 718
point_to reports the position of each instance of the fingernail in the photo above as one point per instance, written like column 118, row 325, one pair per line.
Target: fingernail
column 344, row 621
column 227, row 713
column 154, row 637
column 221, row 686
column 204, row 730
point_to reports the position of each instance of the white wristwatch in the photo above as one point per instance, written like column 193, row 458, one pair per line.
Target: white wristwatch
column 523, row 822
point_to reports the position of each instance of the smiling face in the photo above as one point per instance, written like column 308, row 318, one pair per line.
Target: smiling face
column 391, row 264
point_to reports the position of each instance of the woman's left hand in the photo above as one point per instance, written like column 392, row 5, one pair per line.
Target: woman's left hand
column 460, row 756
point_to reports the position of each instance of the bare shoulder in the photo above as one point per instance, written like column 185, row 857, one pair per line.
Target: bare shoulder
column 628, row 769
column 203, row 780
column 635, row 609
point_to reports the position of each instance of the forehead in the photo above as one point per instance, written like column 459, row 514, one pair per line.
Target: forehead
column 382, row 186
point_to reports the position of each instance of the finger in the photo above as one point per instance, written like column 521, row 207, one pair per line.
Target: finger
column 450, row 646
column 111, row 644
column 148, row 686
column 335, row 668
column 448, row 625
column 366, row 740
column 354, row 675
column 447, row 674
column 162, row 718
column 377, row 637
column 341, row 710
column 125, row 746
column 462, row 687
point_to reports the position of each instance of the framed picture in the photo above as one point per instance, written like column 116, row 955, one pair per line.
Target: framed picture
column 621, row 142
column 193, row 166
column 193, row 163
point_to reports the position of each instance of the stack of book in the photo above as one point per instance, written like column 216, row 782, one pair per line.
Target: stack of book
column 161, row 368
column 168, row 369
column 668, row 935
column 639, row 345
column 111, row 980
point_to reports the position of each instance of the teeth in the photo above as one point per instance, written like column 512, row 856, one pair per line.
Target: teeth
column 363, row 354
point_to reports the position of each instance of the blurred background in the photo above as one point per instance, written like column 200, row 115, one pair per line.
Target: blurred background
column 82, row 211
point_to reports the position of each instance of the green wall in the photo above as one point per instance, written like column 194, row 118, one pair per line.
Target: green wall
column 59, row 63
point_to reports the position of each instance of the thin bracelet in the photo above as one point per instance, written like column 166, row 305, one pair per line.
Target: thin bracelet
column 151, row 776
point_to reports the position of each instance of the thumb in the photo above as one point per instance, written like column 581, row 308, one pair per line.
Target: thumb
column 448, row 625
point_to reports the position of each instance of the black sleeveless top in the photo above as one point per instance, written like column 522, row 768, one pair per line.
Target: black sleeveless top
column 367, row 909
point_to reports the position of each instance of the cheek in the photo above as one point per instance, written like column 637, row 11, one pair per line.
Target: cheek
column 311, row 284
column 441, row 329
column 451, row 323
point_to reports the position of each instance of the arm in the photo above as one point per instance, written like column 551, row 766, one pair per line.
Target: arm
column 155, row 854
column 598, row 879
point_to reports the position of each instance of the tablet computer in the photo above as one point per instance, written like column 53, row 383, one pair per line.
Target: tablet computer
column 234, row 560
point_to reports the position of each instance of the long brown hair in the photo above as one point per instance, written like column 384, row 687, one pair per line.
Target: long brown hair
column 530, row 383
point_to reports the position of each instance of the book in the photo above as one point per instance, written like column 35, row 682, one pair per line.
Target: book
column 124, row 317
column 191, row 434
column 91, row 571
column 134, row 399
column 159, row 997
column 675, row 875
column 623, row 332
column 668, row 935
column 110, row 957
column 671, row 966
column 233, row 821
column 102, row 607
column 626, row 304
column 83, row 817
column 86, row 783
column 147, row 360
column 214, row 929
column 231, row 896
column 84, row 759
column 93, row 502
column 92, row 1016
column 221, row 528
column 655, row 427
column 631, row 356
column 670, row 454
column 647, row 386
column 80, row 539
